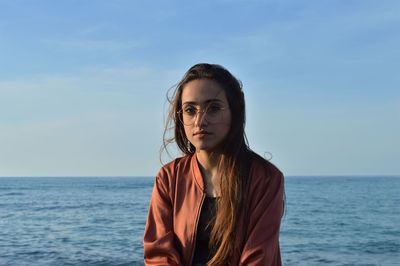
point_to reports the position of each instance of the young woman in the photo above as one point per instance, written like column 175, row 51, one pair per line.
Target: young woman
column 219, row 204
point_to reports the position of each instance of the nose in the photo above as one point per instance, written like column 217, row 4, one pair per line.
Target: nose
column 200, row 119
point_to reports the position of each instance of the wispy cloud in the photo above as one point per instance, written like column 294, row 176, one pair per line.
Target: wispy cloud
column 73, row 124
column 98, row 45
column 94, row 90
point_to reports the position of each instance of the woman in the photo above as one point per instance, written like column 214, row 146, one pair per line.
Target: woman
column 219, row 204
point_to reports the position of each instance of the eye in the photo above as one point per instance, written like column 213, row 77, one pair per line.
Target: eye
column 189, row 110
column 214, row 108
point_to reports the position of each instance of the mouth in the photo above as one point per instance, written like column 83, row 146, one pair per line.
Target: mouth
column 201, row 133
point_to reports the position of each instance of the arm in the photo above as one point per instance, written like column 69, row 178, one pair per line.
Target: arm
column 265, row 213
column 159, row 248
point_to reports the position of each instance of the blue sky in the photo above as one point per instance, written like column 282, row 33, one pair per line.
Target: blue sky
column 83, row 83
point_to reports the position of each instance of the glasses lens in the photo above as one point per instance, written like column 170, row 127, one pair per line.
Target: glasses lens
column 213, row 113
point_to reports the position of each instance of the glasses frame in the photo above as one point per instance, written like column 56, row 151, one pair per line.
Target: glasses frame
column 198, row 110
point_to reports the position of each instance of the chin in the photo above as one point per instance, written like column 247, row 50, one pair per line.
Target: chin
column 202, row 148
column 207, row 147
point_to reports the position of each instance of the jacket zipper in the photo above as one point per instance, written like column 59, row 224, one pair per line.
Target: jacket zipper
column 195, row 228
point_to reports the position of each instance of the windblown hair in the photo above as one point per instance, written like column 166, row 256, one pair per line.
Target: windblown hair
column 233, row 164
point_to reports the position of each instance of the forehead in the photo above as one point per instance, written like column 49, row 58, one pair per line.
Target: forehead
column 200, row 91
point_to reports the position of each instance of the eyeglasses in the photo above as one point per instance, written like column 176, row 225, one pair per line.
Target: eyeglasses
column 212, row 113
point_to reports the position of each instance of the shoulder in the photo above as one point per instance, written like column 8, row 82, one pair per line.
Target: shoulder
column 168, row 174
column 175, row 165
column 264, row 174
column 168, row 171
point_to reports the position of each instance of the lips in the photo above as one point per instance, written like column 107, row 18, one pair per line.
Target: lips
column 201, row 133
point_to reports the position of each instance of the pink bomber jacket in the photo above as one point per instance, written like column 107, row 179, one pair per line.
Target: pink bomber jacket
column 176, row 201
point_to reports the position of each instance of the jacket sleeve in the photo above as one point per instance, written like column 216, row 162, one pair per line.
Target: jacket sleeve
column 266, row 209
column 158, row 241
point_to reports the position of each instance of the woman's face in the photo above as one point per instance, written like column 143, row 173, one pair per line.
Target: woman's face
column 205, row 113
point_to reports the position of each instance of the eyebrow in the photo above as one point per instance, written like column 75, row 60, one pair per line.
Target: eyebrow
column 205, row 102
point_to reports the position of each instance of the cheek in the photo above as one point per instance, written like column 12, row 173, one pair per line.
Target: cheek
column 225, row 127
column 187, row 131
column 228, row 120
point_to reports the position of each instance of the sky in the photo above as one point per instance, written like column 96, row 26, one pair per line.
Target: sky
column 83, row 84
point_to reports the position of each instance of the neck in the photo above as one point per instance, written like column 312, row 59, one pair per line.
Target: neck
column 208, row 160
column 208, row 163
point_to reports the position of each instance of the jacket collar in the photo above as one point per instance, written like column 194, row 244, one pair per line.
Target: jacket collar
column 198, row 177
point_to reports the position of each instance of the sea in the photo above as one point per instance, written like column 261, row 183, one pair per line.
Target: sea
column 336, row 220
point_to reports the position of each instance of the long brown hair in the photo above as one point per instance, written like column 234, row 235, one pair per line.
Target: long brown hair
column 233, row 165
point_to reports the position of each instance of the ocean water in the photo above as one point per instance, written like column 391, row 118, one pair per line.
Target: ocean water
column 100, row 220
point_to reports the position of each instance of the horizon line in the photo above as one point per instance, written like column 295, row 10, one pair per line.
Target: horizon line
column 150, row 176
